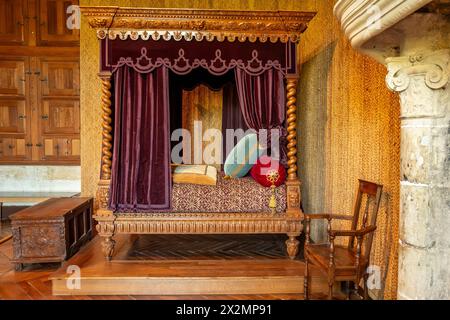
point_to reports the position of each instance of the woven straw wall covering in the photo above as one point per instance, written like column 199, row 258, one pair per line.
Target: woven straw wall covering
column 348, row 121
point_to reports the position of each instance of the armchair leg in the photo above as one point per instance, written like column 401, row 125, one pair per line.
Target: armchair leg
column 347, row 287
column 366, row 290
column 330, row 290
column 306, row 280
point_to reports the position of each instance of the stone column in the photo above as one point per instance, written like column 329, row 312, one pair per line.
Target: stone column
column 422, row 81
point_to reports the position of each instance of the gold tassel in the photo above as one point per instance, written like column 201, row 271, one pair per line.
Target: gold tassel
column 272, row 177
column 273, row 200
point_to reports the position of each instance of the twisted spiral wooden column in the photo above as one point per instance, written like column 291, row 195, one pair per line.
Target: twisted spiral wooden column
column 106, row 126
column 292, row 127
column 292, row 183
column 105, row 218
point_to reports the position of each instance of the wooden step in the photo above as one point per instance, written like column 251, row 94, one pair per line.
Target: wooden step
column 180, row 277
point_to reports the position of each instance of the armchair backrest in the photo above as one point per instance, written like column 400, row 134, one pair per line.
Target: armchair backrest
column 365, row 211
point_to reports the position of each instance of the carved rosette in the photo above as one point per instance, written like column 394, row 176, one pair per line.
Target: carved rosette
column 197, row 25
column 433, row 68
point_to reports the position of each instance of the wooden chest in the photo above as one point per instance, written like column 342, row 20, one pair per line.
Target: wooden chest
column 51, row 231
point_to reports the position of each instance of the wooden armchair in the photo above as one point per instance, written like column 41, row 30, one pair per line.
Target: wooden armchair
column 346, row 263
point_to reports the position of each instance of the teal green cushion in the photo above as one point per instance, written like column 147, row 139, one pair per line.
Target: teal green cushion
column 242, row 158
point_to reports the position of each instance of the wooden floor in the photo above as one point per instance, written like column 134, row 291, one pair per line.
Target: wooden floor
column 167, row 264
column 5, row 230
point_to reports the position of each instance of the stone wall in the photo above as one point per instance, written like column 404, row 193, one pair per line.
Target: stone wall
column 40, row 179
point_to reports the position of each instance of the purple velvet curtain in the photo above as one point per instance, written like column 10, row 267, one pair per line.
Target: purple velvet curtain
column 141, row 179
column 232, row 117
column 262, row 102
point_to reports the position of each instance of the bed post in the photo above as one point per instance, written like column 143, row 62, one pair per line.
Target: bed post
column 292, row 183
column 103, row 216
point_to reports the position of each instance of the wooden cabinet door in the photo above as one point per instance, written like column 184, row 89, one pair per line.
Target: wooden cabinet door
column 60, row 149
column 59, row 77
column 60, row 117
column 13, row 76
column 15, row 143
column 13, row 29
column 14, row 149
column 52, row 23
column 13, row 117
column 59, row 110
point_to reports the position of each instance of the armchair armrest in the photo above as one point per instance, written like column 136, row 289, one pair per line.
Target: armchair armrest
column 325, row 216
column 328, row 216
column 352, row 233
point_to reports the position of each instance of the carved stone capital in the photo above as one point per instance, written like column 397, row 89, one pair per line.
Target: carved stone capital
column 433, row 67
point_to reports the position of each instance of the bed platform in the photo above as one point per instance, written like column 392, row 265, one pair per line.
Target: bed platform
column 232, row 207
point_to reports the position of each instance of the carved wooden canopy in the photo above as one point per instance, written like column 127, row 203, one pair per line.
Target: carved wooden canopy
column 195, row 24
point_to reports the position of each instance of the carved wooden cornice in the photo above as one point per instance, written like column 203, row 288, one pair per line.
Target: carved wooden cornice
column 363, row 20
column 194, row 24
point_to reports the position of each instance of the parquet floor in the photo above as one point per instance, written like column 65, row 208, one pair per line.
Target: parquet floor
column 5, row 230
column 207, row 247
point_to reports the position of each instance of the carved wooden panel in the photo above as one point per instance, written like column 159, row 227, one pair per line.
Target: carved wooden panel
column 59, row 77
column 12, row 76
column 52, row 23
column 42, row 241
column 14, row 149
column 13, row 116
column 60, row 116
column 12, row 22
column 201, row 105
column 60, row 148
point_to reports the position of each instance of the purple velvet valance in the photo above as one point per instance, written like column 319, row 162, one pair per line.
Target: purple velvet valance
column 183, row 56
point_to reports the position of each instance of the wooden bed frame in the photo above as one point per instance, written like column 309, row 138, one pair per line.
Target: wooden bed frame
column 198, row 24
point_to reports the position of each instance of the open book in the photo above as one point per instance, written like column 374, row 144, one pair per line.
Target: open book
column 195, row 174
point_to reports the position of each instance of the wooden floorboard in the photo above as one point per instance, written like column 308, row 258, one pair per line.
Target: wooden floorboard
column 35, row 282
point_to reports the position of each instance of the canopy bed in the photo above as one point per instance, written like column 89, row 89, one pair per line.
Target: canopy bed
column 142, row 52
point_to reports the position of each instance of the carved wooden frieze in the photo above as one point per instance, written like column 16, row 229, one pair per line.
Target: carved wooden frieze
column 191, row 24
column 211, row 226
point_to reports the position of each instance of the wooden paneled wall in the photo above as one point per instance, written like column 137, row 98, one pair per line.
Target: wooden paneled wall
column 39, row 83
column 205, row 105
column 348, row 121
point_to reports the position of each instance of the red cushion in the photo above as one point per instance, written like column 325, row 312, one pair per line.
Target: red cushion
column 265, row 165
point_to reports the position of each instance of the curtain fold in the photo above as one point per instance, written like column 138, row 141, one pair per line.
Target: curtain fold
column 262, row 102
column 141, row 178
column 232, row 117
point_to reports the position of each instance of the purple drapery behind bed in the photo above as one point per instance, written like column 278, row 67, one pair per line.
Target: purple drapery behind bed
column 262, row 102
column 141, row 178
